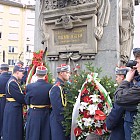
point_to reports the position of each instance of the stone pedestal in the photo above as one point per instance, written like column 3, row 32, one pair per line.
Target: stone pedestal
column 81, row 31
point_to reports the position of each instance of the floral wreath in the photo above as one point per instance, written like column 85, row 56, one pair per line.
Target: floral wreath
column 37, row 60
column 94, row 106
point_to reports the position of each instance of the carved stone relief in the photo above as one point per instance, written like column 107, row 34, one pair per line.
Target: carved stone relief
column 55, row 4
column 73, row 32
column 102, row 17
column 126, row 29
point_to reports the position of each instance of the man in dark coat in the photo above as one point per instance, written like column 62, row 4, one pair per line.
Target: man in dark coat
column 115, row 120
column 37, row 97
column 13, row 117
column 128, row 95
column 4, row 77
column 58, row 102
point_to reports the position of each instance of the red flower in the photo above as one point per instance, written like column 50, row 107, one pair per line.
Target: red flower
column 102, row 97
column 77, row 131
column 100, row 106
column 84, row 91
column 86, row 114
column 98, row 131
column 87, row 99
column 99, row 115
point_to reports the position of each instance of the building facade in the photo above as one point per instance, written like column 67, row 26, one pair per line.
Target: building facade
column 16, row 32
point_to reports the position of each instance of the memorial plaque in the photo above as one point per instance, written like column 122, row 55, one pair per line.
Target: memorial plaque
column 77, row 35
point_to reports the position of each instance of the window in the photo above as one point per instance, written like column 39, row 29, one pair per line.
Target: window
column 1, row 21
column 11, row 62
column 13, row 36
column 14, row 23
column 1, row 8
column 12, row 49
column 14, row 11
column 0, row 35
column 27, row 48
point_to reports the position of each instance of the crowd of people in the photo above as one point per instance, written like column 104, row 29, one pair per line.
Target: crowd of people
column 46, row 103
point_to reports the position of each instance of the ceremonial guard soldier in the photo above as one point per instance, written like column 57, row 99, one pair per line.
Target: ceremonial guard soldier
column 13, row 117
column 4, row 77
column 58, row 102
column 115, row 120
column 37, row 97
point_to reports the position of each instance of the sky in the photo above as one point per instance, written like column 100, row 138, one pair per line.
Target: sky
column 137, row 27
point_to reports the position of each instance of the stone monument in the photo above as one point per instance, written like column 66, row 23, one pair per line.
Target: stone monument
column 81, row 31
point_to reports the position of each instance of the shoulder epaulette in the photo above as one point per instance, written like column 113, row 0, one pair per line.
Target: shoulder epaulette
column 17, row 84
column 63, row 96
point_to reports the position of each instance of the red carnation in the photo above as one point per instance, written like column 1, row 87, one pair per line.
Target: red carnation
column 77, row 131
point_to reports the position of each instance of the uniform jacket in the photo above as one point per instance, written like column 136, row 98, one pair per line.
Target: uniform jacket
column 115, row 123
column 57, row 116
column 38, row 120
column 128, row 96
column 13, row 117
column 4, row 77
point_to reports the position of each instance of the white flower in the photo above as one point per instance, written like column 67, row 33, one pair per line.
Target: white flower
column 97, row 124
column 88, row 121
column 83, row 106
column 95, row 98
column 92, row 108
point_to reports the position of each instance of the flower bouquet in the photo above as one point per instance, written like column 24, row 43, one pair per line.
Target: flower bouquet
column 36, row 61
column 93, row 105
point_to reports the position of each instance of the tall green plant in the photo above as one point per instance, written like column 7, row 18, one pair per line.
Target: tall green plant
column 136, row 126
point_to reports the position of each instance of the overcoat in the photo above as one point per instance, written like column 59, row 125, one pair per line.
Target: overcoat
column 13, row 116
column 38, row 117
column 4, row 77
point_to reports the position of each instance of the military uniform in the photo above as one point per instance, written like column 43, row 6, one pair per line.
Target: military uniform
column 115, row 123
column 58, row 102
column 115, row 120
column 56, row 116
column 37, row 97
column 4, row 77
column 13, row 117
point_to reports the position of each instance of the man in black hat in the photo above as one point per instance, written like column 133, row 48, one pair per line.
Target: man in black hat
column 37, row 97
column 128, row 95
column 58, row 102
column 13, row 118
column 4, row 77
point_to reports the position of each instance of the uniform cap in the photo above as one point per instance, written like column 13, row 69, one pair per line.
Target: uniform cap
column 17, row 68
column 4, row 66
column 20, row 63
column 62, row 68
column 41, row 70
column 121, row 71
